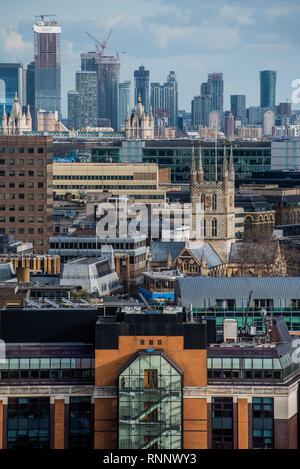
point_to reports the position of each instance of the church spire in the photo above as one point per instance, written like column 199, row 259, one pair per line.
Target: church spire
column 200, row 167
column 225, row 167
column 231, row 166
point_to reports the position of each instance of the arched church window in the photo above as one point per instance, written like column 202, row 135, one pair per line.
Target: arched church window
column 202, row 201
column 214, row 202
column 214, row 227
column 203, row 227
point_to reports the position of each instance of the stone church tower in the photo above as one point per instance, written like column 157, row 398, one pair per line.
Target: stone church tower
column 16, row 123
column 139, row 125
column 213, row 212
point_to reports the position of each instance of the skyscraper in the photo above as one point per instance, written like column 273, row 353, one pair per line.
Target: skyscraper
column 141, row 78
column 238, row 107
column 47, row 66
column 86, row 87
column 164, row 101
column 201, row 108
column 215, row 88
column 228, row 124
column 125, row 100
column 268, row 122
column 30, row 92
column 268, row 88
column 108, row 82
column 73, row 109
column 11, row 82
column 171, row 98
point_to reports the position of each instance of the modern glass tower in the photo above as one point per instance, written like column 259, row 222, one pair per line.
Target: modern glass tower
column 268, row 88
column 215, row 88
column 124, row 100
column 11, row 82
column 142, row 77
column 238, row 107
column 47, row 66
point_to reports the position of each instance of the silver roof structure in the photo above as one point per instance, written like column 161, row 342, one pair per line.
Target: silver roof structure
column 193, row 290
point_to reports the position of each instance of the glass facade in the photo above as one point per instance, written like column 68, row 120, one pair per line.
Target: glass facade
column 11, row 82
column 150, row 404
column 246, row 161
column 28, row 423
column 268, row 88
column 263, row 423
column 222, row 423
column 80, row 421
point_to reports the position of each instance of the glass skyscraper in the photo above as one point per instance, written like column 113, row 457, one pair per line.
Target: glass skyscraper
column 142, row 77
column 11, row 82
column 238, row 107
column 47, row 66
column 268, row 88
column 124, row 100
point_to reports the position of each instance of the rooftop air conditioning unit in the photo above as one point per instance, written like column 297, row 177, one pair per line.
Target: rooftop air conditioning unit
column 230, row 331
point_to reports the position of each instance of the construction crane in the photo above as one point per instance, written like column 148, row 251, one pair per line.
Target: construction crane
column 100, row 47
column 43, row 16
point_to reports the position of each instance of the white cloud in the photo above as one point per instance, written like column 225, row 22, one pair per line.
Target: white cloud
column 206, row 38
column 240, row 15
column 13, row 41
column 121, row 20
column 278, row 11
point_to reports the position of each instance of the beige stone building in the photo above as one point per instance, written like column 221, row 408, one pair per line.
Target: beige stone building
column 139, row 125
column 138, row 181
column 16, row 123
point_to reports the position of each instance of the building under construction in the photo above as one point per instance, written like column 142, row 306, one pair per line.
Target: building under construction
column 108, row 70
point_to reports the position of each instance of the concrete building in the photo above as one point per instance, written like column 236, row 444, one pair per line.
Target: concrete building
column 268, row 123
column 238, row 107
column 138, row 181
column 26, row 193
column 48, row 121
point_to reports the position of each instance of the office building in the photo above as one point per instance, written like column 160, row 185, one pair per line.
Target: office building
column 109, row 92
column 26, row 189
column 125, row 101
column 30, row 92
column 254, row 115
column 47, row 66
column 238, row 107
column 215, row 88
column 83, row 103
column 170, row 99
column 268, row 88
column 11, row 82
column 138, row 181
column 228, row 124
column 144, row 381
column 141, row 87
column 268, row 123
column 201, row 108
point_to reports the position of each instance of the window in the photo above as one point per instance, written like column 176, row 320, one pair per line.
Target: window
column 21, row 162
column 214, row 202
column 150, row 378
column 202, row 201
column 28, row 423
column 21, row 150
column 80, row 435
column 222, row 423
column 263, row 422
column 214, row 227
column 203, row 227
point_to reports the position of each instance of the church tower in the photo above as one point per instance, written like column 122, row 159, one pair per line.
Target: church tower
column 213, row 212
column 139, row 125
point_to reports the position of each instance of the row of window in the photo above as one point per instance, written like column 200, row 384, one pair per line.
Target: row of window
column 21, row 219
column 21, row 208
column 21, row 162
column 46, row 374
column 92, row 186
column 244, row 374
column 21, row 173
column 13, row 196
column 262, row 423
column 94, row 177
column 47, row 363
column 22, row 231
column 30, row 150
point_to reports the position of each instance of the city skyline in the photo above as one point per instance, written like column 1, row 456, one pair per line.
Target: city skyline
column 170, row 37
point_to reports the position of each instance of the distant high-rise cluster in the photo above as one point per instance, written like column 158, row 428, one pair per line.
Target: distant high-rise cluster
column 164, row 101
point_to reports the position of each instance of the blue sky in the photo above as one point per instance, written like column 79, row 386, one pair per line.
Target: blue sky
column 192, row 37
